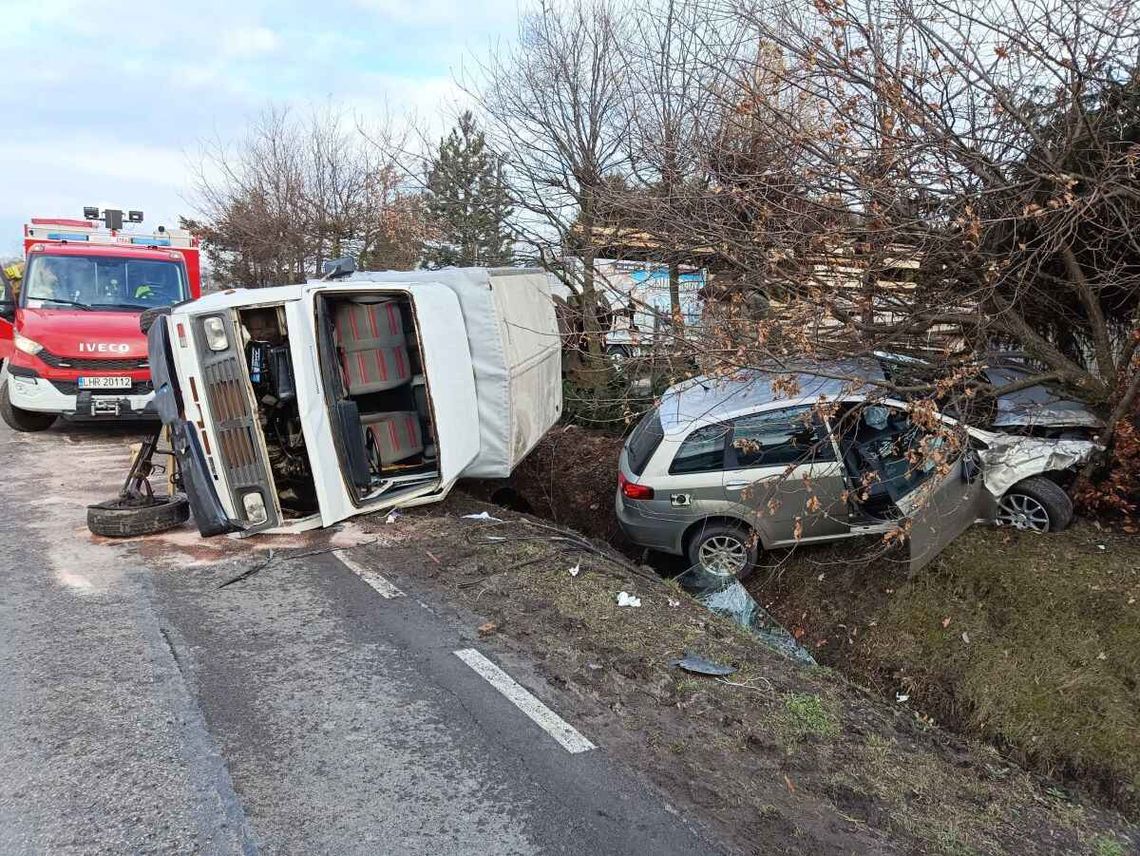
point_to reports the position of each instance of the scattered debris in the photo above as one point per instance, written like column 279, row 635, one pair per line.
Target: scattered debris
column 487, row 628
column 433, row 557
column 482, row 515
column 946, row 622
column 965, row 637
column 392, row 515
column 902, row 698
column 674, row 603
column 726, row 596
column 576, row 569
column 624, row 598
column 700, row 666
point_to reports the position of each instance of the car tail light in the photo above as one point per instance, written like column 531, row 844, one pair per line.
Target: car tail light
column 633, row 490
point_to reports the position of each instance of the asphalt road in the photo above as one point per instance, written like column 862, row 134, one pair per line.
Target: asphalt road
column 145, row 710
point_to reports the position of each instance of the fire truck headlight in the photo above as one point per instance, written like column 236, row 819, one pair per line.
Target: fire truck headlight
column 254, row 508
column 215, row 330
column 28, row 346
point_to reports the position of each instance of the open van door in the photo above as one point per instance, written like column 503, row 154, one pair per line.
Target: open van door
column 944, row 508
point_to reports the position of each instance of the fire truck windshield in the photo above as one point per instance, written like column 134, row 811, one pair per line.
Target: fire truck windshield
column 102, row 282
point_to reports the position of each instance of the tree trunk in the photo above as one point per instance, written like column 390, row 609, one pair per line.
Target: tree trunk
column 675, row 300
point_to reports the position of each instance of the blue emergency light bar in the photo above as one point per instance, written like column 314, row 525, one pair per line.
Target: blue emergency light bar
column 152, row 242
column 66, row 236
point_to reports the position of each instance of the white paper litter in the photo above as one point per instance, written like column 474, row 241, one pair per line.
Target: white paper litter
column 483, row 515
column 674, row 603
column 577, row 569
column 901, row 697
column 965, row 637
column 626, row 599
column 392, row 515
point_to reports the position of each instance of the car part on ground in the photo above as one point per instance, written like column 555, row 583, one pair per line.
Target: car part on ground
column 724, row 595
column 137, row 510
column 134, row 517
column 698, row 665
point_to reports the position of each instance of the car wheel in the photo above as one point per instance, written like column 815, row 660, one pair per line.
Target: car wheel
column 22, row 420
column 1035, row 505
column 130, row 518
column 724, row 550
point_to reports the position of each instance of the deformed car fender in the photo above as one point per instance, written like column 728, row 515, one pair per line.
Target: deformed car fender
column 1008, row 459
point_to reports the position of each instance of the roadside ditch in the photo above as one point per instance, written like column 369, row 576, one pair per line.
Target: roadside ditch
column 1029, row 643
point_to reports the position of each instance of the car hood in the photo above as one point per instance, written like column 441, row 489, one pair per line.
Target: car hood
column 1006, row 460
column 76, row 333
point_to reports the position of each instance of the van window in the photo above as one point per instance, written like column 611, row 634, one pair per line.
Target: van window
column 778, row 438
column 702, row 451
column 644, row 440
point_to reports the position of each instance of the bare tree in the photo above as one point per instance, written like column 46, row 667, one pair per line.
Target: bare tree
column 298, row 190
column 552, row 107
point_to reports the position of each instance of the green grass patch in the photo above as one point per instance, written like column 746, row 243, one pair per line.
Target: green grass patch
column 806, row 714
column 1033, row 642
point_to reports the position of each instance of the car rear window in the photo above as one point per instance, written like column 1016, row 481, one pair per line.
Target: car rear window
column 644, row 440
column 702, row 451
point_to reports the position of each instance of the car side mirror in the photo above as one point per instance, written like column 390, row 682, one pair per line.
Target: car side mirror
column 7, row 309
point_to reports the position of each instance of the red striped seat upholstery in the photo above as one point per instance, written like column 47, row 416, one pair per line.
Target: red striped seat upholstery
column 373, row 348
column 395, row 435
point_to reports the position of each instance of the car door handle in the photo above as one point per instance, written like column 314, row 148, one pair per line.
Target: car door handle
column 736, row 485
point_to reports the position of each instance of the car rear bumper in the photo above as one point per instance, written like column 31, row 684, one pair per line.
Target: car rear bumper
column 28, row 391
column 651, row 532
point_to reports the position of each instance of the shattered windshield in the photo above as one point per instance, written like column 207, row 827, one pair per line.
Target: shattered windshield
column 102, row 282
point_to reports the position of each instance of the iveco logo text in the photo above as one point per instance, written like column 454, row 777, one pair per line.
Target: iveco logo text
column 103, row 348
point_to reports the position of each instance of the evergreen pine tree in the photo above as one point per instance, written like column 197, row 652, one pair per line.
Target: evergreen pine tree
column 467, row 202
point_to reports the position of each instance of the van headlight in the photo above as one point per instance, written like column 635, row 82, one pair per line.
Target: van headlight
column 28, row 346
column 254, row 508
column 215, row 329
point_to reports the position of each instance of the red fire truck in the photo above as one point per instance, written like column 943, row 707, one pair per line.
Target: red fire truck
column 70, row 338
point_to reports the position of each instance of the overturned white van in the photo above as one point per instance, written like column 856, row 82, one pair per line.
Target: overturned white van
column 299, row 406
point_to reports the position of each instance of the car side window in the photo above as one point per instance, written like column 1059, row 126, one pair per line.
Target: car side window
column 778, row 438
column 702, row 451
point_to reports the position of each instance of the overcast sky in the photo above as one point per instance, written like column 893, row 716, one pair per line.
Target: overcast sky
column 104, row 103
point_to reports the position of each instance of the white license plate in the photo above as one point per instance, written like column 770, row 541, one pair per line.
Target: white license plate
column 105, row 383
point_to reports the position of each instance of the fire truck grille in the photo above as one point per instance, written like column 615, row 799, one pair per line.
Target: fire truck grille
column 234, row 423
column 83, row 364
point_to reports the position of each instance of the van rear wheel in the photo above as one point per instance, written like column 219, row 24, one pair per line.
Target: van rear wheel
column 130, row 518
column 724, row 550
column 22, row 420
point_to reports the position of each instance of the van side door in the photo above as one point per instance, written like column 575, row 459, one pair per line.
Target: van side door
column 782, row 473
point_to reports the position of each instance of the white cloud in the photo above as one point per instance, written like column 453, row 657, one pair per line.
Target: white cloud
column 249, row 42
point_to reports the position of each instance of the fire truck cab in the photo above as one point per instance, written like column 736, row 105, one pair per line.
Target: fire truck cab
column 70, row 338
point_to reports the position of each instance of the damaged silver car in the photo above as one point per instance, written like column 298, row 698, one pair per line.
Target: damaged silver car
column 725, row 468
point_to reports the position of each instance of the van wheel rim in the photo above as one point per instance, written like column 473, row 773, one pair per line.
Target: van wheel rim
column 1022, row 512
column 723, row 555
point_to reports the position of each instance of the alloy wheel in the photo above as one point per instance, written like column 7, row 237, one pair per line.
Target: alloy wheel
column 723, row 555
column 1022, row 512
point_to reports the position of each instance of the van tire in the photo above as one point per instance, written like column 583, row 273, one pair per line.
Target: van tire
column 1048, row 495
column 22, row 420
column 707, row 536
column 130, row 518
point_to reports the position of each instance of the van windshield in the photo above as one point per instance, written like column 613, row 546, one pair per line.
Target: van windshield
column 102, row 282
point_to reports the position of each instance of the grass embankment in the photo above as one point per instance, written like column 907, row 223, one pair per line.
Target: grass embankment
column 1032, row 642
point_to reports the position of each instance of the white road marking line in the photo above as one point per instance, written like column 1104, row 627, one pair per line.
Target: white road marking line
column 546, row 719
column 385, row 588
